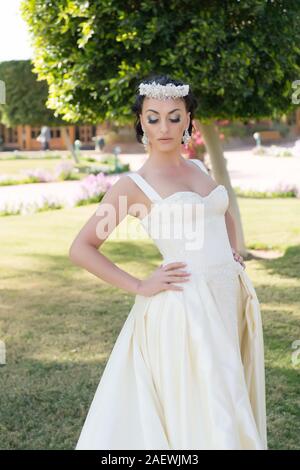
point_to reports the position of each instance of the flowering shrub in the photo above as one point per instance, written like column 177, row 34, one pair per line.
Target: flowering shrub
column 92, row 187
column 63, row 170
column 286, row 189
column 38, row 175
column 90, row 190
column 196, row 146
column 273, row 151
column 6, row 180
column 23, row 207
column 279, row 189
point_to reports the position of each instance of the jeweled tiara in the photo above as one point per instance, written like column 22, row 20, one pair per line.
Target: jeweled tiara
column 155, row 90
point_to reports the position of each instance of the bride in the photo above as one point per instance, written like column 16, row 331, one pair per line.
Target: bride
column 187, row 369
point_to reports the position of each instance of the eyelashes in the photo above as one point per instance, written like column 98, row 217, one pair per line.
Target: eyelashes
column 153, row 121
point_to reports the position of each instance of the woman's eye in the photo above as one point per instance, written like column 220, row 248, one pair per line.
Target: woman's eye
column 153, row 121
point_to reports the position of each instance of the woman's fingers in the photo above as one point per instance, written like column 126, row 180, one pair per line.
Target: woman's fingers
column 176, row 278
column 168, row 286
column 178, row 273
column 238, row 258
column 175, row 273
column 174, row 265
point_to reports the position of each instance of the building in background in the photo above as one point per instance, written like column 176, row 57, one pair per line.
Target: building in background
column 25, row 137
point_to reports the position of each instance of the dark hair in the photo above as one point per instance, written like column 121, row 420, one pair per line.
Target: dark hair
column 190, row 102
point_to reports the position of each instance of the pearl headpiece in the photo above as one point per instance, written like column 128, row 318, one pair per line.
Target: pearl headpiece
column 155, row 90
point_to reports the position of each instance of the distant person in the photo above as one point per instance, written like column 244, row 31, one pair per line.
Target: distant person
column 44, row 137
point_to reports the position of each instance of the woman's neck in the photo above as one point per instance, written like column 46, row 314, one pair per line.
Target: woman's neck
column 165, row 160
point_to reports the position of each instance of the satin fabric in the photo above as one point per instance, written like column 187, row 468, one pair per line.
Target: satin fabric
column 187, row 369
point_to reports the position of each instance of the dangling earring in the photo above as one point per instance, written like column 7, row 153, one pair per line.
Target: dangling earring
column 186, row 137
column 145, row 140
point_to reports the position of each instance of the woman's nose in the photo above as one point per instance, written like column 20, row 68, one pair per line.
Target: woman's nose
column 164, row 127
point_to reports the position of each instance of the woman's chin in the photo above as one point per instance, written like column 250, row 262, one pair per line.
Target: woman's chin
column 158, row 146
column 168, row 144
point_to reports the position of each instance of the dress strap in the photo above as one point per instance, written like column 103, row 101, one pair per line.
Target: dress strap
column 145, row 187
column 200, row 164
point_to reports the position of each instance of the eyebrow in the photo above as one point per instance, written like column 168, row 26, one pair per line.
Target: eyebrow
column 153, row 110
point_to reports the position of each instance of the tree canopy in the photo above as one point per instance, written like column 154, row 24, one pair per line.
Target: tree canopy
column 240, row 57
column 25, row 96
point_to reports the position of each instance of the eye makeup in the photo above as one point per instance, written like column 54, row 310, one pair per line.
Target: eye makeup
column 153, row 121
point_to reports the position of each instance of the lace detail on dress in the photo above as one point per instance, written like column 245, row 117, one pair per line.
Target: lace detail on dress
column 222, row 271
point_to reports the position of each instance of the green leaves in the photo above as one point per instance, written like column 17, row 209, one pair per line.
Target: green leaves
column 239, row 57
column 25, row 97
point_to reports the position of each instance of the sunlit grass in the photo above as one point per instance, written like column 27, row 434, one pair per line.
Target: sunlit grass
column 59, row 322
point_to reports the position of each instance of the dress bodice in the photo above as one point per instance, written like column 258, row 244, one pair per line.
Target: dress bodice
column 187, row 226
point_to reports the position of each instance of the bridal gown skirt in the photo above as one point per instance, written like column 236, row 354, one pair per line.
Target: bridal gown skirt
column 186, row 371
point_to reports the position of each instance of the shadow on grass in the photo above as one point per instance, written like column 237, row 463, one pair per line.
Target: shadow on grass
column 287, row 265
column 44, row 404
column 61, row 324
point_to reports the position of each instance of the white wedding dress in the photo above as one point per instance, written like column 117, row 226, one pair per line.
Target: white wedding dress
column 187, row 369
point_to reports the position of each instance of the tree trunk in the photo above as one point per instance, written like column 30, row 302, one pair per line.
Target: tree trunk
column 213, row 144
column 68, row 143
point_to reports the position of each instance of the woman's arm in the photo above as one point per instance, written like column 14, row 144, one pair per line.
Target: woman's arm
column 231, row 230
column 84, row 249
column 230, row 225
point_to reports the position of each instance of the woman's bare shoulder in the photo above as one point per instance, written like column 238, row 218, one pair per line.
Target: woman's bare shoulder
column 124, row 186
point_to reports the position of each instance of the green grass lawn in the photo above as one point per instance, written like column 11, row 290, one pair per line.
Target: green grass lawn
column 16, row 167
column 13, row 167
column 59, row 322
